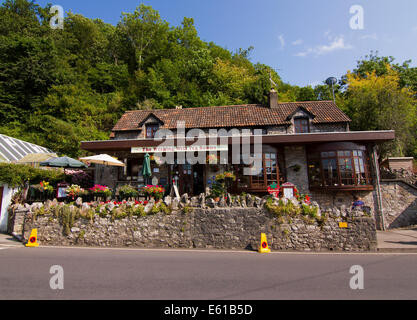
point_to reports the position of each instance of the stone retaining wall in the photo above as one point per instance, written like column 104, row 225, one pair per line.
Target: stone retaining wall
column 220, row 228
column 399, row 202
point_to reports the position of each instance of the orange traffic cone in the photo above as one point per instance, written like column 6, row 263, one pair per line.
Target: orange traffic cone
column 264, row 244
column 33, row 239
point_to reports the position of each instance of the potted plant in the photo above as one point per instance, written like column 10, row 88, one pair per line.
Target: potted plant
column 127, row 191
column 101, row 191
column 225, row 179
column 220, row 186
column 74, row 191
column 156, row 192
column 217, row 191
column 46, row 188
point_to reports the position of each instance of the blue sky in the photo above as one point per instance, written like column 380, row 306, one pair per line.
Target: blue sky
column 305, row 41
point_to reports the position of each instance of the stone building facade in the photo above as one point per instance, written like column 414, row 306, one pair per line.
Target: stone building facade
column 308, row 144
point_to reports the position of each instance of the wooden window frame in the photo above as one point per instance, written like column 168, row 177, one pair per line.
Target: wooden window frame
column 154, row 127
column 300, row 120
column 357, row 182
column 264, row 184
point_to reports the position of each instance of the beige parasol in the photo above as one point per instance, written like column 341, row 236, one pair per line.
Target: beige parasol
column 103, row 159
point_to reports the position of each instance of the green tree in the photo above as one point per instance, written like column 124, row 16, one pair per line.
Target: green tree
column 377, row 102
column 145, row 31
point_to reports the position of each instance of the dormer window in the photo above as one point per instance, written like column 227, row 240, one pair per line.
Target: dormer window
column 151, row 130
column 301, row 125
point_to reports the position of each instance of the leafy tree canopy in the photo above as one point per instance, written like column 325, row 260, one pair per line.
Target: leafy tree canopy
column 59, row 87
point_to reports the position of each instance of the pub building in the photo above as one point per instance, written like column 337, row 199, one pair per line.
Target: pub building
column 308, row 144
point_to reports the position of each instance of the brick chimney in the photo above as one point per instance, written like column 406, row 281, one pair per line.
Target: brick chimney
column 273, row 99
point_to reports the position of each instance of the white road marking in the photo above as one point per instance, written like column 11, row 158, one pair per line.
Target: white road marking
column 234, row 251
column 7, row 246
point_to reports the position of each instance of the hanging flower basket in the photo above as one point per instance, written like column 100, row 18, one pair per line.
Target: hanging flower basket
column 156, row 159
column 212, row 159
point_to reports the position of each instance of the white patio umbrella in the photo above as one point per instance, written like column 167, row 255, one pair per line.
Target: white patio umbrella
column 103, row 159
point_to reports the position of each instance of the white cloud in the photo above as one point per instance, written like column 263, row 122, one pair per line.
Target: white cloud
column 297, row 42
column 338, row 43
column 372, row 36
column 304, row 53
column 281, row 40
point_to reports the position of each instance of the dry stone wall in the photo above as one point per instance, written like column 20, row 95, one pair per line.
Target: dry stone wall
column 399, row 202
column 219, row 228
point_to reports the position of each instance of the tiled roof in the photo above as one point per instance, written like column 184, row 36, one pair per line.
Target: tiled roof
column 233, row 116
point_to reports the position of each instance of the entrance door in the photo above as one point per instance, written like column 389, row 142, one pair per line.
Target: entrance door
column 198, row 179
column 186, row 179
column 190, row 178
column 182, row 175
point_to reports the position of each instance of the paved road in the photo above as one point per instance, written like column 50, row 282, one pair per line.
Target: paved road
column 206, row 275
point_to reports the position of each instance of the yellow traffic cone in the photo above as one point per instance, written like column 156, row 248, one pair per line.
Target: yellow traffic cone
column 264, row 244
column 33, row 239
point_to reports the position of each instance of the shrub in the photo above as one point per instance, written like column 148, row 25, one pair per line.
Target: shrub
column 222, row 183
column 187, row 210
column 307, row 210
column 81, row 235
column 16, row 175
column 282, row 209
column 164, row 208
column 79, row 177
column 67, row 218
column 154, row 210
column 217, row 190
column 139, row 211
column 321, row 221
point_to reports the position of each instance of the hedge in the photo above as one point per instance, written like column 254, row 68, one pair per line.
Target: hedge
column 16, row 175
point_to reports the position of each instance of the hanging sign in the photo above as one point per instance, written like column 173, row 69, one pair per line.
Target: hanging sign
column 170, row 149
column 154, row 181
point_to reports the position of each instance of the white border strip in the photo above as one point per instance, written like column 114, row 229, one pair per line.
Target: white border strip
column 224, row 251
